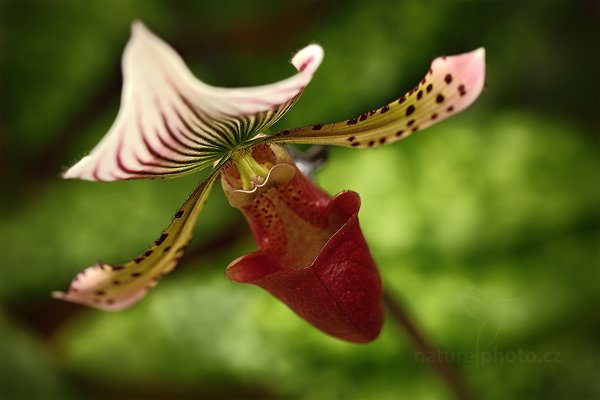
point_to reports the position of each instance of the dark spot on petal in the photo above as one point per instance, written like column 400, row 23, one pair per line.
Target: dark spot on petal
column 448, row 78
column 352, row 121
column 147, row 253
column 100, row 292
column 161, row 239
column 412, row 121
column 285, row 133
column 450, row 109
column 179, row 214
column 461, row 90
column 423, row 81
column 355, row 144
column 351, row 139
column 419, row 95
column 306, row 63
column 430, row 71
column 372, row 112
column 116, row 282
column 434, row 116
column 385, row 109
column 382, row 140
column 136, row 274
column 439, row 98
column 138, row 260
column 401, row 99
column 410, row 110
column 117, row 267
column 416, row 128
column 399, row 133
column 429, row 88
column 167, row 249
column 317, row 127
column 363, row 117
column 371, row 143
column 110, row 301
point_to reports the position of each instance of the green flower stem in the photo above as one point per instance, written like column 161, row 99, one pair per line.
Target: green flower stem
column 455, row 382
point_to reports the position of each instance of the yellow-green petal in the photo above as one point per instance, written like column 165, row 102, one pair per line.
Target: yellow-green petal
column 115, row 287
column 452, row 84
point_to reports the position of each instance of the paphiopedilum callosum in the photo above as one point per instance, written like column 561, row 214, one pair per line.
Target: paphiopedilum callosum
column 312, row 254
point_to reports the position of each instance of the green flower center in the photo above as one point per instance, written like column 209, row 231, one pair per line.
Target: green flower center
column 251, row 172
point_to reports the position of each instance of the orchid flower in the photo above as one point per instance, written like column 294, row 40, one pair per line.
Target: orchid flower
column 312, row 254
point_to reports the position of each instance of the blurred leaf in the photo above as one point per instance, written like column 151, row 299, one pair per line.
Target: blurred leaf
column 27, row 367
column 497, row 200
column 235, row 335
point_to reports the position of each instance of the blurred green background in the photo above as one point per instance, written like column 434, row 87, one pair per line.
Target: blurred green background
column 485, row 226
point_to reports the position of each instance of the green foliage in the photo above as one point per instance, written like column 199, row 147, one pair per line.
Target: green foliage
column 485, row 225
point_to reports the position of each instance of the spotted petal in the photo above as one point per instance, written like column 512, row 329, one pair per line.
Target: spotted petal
column 451, row 85
column 115, row 287
column 171, row 124
column 312, row 254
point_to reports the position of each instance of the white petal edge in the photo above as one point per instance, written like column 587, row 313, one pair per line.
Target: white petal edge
column 279, row 175
column 170, row 123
